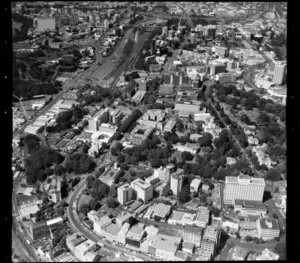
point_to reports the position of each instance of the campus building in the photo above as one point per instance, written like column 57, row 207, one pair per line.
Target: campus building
column 268, row 228
column 243, row 187
column 124, row 194
column 176, row 183
column 253, row 208
column 279, row 73
column 192, row 234
column 144, row 190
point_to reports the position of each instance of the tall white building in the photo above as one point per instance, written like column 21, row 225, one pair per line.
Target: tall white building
column 176, row 183
column 106, row 23
column 243, row 187
column 162, row 173
column 165, row 31
column 124, row 194
column 144, row 190
column 279, row 73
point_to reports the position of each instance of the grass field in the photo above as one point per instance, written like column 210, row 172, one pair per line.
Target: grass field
column 85, row 199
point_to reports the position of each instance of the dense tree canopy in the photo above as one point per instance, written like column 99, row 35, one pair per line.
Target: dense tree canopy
column 37, row 165
column 79, row 163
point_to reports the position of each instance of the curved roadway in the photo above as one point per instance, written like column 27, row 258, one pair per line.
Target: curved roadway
column 78, row 225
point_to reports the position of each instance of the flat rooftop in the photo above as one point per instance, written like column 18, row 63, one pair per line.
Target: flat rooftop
column 142, row 184
column 249, row 204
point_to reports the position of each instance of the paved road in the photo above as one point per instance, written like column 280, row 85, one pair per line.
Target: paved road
column 224, row 255
column 275, row 210
column 21, row 248
column 73, row 218
column 234, row 138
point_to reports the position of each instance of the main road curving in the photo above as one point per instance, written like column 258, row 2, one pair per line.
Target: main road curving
column 77, row 224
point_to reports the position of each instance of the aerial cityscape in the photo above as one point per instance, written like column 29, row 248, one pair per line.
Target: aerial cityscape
column 148, row 131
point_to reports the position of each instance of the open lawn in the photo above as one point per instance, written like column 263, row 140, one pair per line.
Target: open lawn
column 85, row 199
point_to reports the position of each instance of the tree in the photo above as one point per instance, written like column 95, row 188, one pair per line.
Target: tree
column 273, row 175
column 155, row 162
column 179, row 125
column 104, row 118
column 97, row 258
column 183, row 196
column 187, row 156
column 111, row 202
column 84, row 209
column 248, row 238
column 89, row 181
column 77, row 54
column 79, row 163
column 281, row 250
column 93, row 204
column 215, row 211
column 85, row 148
column 31, row 141
column 100, row 171
column 113, row 191
column 59, row 170
column 205, row 140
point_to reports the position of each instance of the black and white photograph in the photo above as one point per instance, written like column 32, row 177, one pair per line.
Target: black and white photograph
column 148, row 131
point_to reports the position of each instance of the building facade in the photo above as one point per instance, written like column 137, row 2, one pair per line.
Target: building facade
column 279, row 73
column 268, row 228
column 176, row 183
column 192, row 234
column 144, row 190
column 124, row 194
column 243, row 187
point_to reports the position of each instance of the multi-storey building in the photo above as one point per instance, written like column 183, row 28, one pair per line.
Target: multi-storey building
column 268, row 228
column 165, row 31
column 135, row 235
column 279, row 73
column 195, row 184
column 176, row 183
column 166, row 247
column 162, row 173
column 192, row 234
column 243, row 187
column 124, row 194
column 144, row 190
column 210, row 242
column 254, row 208
column 202, row 217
